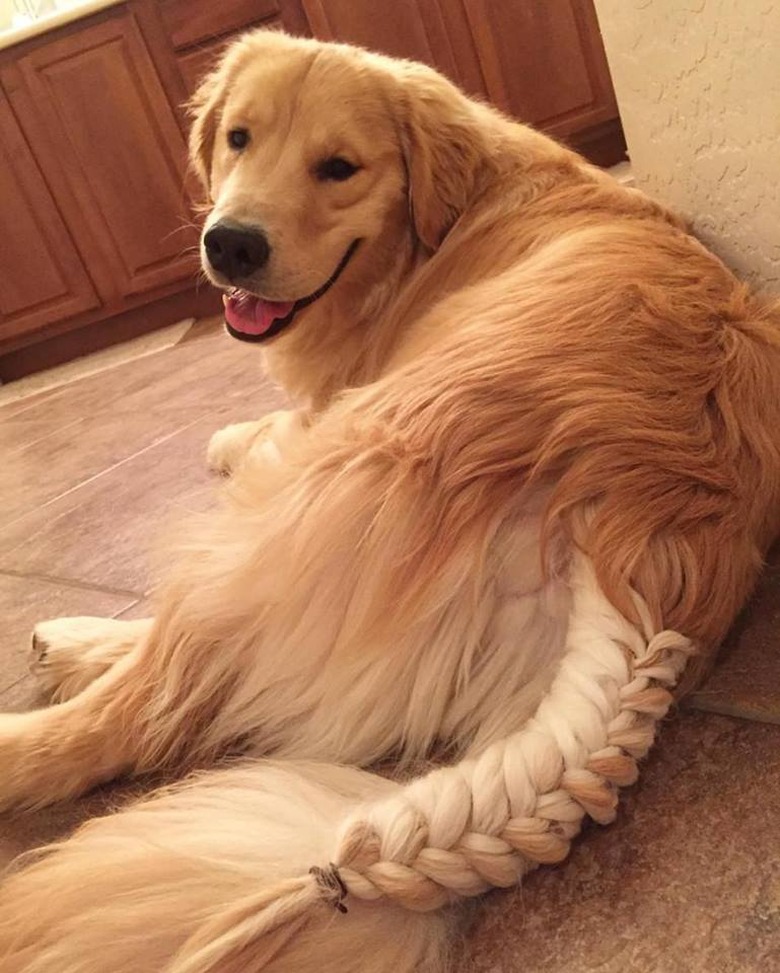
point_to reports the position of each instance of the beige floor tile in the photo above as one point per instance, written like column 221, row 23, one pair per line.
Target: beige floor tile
column 53, row 465
column 18, row 434
column 25, row 693
column 22, row 408
column 207, row 374
column 54, row 378
column 145, row 608
column 109, row 531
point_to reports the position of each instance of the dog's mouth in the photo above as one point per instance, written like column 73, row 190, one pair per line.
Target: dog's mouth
column 249, row 317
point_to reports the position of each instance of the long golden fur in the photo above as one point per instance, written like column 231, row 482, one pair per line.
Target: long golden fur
column 522, row 359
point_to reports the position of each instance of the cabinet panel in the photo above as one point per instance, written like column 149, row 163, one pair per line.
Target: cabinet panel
column 544, row 62
column 195, row 63
column 191, row 21
column 114, row 135
column 43, row 279
column 433, row 31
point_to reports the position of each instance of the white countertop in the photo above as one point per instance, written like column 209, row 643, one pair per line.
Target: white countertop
column 14, row 35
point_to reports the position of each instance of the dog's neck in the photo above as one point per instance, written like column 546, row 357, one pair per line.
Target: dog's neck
column 345, row 339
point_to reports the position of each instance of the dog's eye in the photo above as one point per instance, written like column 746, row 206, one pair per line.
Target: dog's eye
column 238, row 138
column 335, row 169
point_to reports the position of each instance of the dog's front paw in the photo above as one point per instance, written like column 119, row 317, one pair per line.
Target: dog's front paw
column 264, row 439
column 228, row 447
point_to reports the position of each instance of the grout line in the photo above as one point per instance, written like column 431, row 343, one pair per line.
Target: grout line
column 12, row 685
column 73, row 583
column 733, row 709
column 118, row 614
column 53, row 431
column 50, row 394
column 91, row 479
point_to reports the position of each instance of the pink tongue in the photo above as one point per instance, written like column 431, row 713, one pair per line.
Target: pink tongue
column 252, row 315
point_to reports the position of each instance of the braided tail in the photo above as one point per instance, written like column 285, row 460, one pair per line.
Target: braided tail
column 488, row 820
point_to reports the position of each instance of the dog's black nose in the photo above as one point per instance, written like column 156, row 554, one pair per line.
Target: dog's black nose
column 236, row 251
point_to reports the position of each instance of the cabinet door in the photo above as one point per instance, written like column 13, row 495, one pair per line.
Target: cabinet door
column 544, row 62
column 191, row 22
column 434, row 31
column 111, row 142
column 42, row 278
column 196, row 62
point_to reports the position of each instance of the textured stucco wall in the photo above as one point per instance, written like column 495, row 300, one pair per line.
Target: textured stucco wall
column 698, row 85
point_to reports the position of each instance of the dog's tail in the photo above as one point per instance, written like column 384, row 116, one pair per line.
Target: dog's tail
column 486, row 821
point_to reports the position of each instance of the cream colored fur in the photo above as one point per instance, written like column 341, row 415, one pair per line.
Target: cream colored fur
column 538, row 426
column 229, row 447
column 70, row 653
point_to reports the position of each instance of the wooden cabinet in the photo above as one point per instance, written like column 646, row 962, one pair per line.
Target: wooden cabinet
column 198, row 61
column 199, row 30
column 189, row 22
column 110, row 142
column 43, row 278
column 542, row 61
column 98, row 241
column 434, row 31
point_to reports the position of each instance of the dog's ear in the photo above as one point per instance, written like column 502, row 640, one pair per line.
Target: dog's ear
column 205, row 106
column 445, row 149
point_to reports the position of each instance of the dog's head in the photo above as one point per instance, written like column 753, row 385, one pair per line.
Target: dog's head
column 323, row 162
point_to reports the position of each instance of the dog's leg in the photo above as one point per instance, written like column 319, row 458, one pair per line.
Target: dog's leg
column 70, row 653
column 148, row 710
column 229, row 447
column 58, row 752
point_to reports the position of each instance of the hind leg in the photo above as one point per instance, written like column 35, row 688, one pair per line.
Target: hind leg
column 70, row 653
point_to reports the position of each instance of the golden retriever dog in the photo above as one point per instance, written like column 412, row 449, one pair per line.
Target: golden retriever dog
column 533, row 470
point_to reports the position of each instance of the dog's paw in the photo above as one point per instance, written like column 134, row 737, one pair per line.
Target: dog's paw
column 61, row 634
column 228, row 447
column 264, row 439
column 58, row 648
column 67, row 654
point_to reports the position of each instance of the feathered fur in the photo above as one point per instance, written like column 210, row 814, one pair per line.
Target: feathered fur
column 525, row 359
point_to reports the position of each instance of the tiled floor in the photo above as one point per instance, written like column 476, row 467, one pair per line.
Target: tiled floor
column 688, row 880
column 93, row 472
